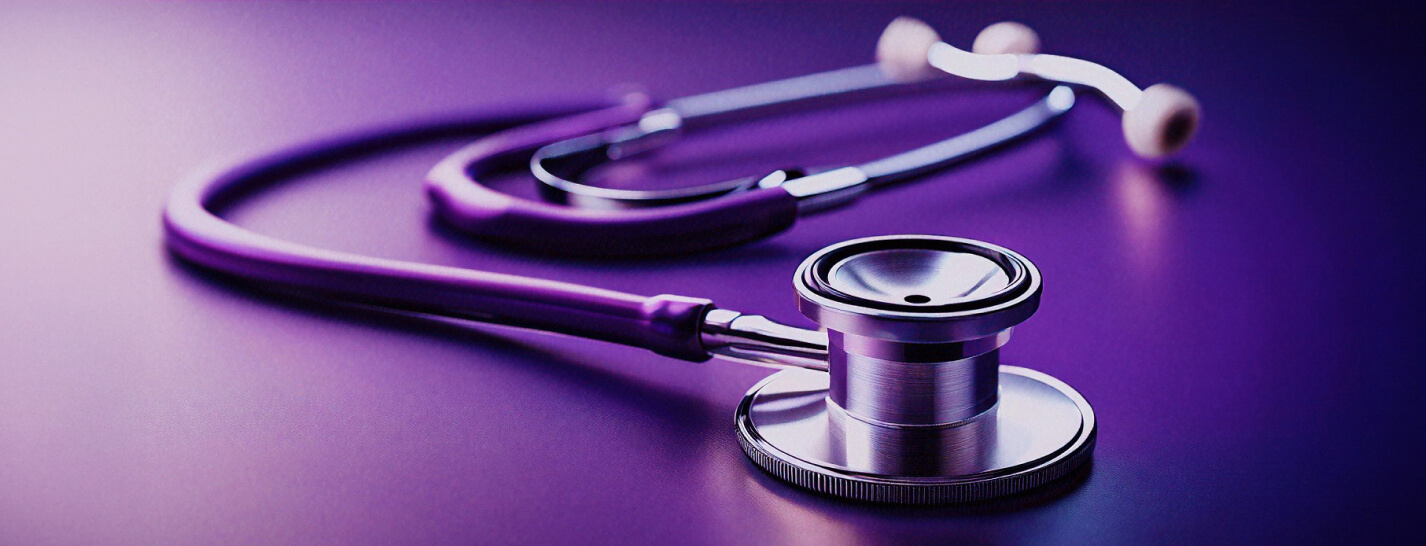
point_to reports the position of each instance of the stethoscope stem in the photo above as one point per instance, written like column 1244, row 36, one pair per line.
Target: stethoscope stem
column 757, row 340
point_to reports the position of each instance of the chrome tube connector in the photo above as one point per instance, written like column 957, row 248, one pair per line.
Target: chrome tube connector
column 755, row 339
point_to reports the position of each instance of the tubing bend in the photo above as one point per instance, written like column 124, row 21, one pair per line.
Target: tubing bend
column 665, row 324
column 463, row 202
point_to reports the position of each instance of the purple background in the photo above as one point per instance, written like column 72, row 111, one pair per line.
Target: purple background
column 1246, row 322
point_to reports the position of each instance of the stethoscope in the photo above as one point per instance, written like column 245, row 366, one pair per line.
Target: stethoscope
column 898, row 398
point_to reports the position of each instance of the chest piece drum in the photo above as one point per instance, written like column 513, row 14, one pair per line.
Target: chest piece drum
column 915, row 407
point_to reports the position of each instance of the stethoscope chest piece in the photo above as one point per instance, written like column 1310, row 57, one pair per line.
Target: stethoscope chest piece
column 915, row 406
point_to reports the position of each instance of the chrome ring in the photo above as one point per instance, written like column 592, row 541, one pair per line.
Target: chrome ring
column 785, row 427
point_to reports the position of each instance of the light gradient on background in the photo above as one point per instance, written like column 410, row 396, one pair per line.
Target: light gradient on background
column 1242, row 321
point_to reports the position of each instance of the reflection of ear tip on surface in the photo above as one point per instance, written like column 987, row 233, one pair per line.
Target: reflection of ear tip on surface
column 902, row 50
column 1163, row 122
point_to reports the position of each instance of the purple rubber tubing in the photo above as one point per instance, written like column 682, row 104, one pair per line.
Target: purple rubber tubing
column 666, row 324
column 463, row 202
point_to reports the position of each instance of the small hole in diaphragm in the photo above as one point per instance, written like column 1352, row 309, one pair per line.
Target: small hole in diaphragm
column 917, row 298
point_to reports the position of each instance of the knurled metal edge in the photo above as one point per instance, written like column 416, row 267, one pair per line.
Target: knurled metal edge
column 891, row 492
column 911, row 493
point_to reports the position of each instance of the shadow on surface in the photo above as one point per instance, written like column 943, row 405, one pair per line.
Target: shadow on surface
column 1178, row 177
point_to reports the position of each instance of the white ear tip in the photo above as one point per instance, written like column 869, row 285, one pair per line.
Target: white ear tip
column 901, row 51
column 1006, row 37
column 1163, row 121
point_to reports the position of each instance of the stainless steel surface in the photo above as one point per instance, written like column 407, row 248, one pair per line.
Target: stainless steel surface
column 826, row 189
column 947, row 152
column 1039, row 431
column 914, row 406
column 918, row 276
column 833, row 301
column 775, row 93
column 755, row 339
column 886, row 367
column 558, row 167
column 901, row 393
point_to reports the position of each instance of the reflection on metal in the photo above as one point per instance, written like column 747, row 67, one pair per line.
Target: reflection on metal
column 559, row 166
column 1040, row 430
column 755, row 339
column 915, row 407
column 898, row 275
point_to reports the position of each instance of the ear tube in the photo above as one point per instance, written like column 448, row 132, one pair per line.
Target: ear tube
column 1157, row 121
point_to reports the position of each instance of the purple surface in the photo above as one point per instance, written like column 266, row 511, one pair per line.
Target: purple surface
column 1244, row 322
